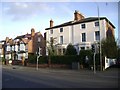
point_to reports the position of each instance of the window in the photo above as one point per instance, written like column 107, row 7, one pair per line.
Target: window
column 61, row 39
column 13, row 48
column 96, row 24
column 82, row 48
column 39, row 39
column 97, row 35
column 26, row 47
column 83, row 26
column 8, row 48
column 51, row 31
column 51, row 39
column 83, row 37
column 61, row 29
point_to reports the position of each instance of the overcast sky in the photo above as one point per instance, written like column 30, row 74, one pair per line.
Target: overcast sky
column 19, row 17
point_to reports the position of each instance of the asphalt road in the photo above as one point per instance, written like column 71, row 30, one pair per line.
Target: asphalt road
column 20, row 77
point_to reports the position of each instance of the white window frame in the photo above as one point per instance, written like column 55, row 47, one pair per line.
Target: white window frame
column 22, row 47
column 61, row 42
column 39, row 39
column 95, row 35
column 83, row 24
column 96, row 22
column 60, row 30
column 51, row 31
column 82, row 37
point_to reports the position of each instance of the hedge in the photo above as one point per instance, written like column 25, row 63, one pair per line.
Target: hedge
column 64, row 59
column 54, row 59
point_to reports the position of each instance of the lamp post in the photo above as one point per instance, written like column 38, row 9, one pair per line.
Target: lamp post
column 100, row 36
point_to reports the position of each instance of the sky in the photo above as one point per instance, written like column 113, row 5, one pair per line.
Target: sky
column 17, row 18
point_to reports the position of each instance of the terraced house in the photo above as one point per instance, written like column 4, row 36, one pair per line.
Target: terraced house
column 21, row 46
column 82, row 32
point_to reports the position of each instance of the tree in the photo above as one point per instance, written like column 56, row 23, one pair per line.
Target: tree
column 51, row 47
column 70, row 50
column 109, row 47
column 51, row 50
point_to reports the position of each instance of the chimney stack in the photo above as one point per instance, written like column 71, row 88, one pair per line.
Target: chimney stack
column 7, row 39
column 51, row 23
column 78, row 16
column 32, row 32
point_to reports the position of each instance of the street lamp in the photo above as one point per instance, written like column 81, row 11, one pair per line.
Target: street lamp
column 100, row 36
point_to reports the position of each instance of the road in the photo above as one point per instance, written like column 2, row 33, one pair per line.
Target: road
column 20, row 77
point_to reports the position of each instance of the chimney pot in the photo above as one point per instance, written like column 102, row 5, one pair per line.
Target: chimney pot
column 51, row 23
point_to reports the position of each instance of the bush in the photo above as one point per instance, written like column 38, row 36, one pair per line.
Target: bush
column 83, row 54
column 32, row 58
column 70, row 50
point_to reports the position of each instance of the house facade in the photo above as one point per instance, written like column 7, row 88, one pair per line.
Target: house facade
column 81, row 32
column 2, row 43
column 20, row 47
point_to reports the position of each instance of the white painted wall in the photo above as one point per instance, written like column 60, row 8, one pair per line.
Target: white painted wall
column 16, row 48
column 22, row 47
column 73, row 34
column 21, row 55
column 13, row 48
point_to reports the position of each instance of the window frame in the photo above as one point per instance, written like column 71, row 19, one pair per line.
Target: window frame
column 83, row 39
column 96, row 36
column 96, row 23
column 51, row 31
column 84, row 26
column 61, row 40
column 61, row 29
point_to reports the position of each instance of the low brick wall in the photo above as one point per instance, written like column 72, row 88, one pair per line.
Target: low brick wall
column 60, row 66
column 51, row 66
column 40, row 65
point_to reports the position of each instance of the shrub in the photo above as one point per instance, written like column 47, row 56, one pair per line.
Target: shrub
column 70, row 50
column 82, row 56
column 32, row 58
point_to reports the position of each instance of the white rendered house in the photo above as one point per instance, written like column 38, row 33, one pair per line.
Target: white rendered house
column 81, row 32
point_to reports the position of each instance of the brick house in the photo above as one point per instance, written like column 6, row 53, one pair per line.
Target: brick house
column 19, row 47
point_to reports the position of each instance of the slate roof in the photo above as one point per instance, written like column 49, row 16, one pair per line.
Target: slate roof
column 81, row 21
